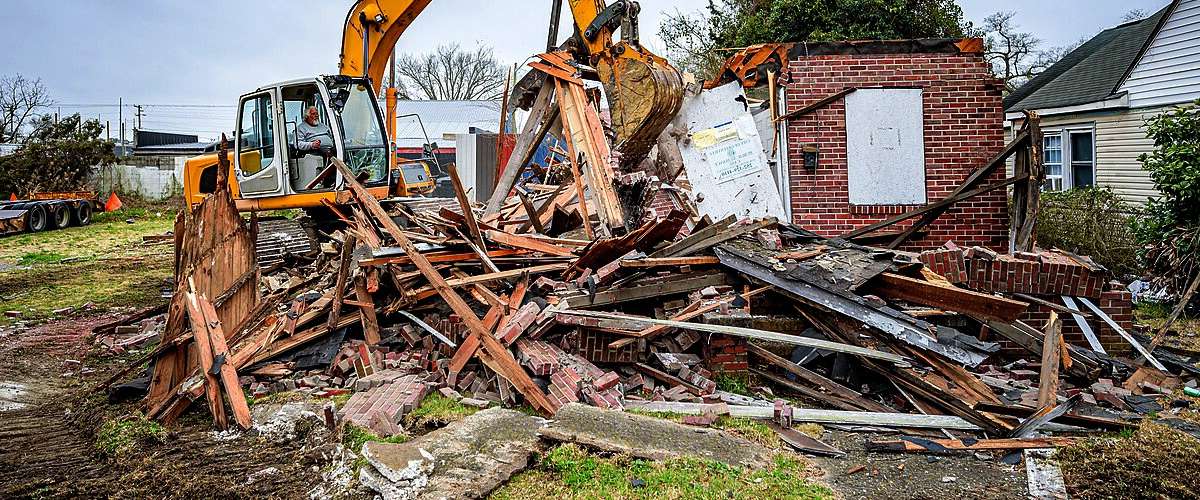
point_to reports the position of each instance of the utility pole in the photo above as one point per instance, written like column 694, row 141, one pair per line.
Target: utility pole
column 107, row 131
column 139, row 116
column 121, row 119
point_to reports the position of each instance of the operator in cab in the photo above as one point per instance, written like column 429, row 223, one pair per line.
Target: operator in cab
column 311, row 134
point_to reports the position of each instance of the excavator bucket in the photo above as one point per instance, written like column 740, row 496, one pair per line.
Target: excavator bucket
column 644, row 94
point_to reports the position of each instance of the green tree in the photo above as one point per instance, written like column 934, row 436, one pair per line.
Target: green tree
column 56, row 156
column 1170, row 229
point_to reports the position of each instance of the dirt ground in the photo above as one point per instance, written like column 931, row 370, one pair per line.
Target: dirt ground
column 50, row 420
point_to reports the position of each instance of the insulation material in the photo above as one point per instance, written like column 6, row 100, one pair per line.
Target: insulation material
column 724, row 156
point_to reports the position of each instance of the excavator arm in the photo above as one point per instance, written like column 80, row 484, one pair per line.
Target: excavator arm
column 372, row 29
column 644, row 91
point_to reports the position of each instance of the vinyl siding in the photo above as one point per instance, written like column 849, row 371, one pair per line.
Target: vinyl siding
column 1169, row 71
column 1120, row 138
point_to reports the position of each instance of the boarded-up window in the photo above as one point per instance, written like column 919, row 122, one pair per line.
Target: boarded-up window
column 885, row 147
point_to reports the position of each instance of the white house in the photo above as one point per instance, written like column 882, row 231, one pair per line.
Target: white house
column 1095, row 101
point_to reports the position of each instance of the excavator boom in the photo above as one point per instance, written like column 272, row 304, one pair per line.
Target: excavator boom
column 370, row 34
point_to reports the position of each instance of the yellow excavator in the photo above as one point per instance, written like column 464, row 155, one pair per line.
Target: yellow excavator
column 272, row 170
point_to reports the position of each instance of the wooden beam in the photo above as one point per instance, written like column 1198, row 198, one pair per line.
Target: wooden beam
column 526, row 243
column 687, row 314
column 922, row 445
column 531, row 213
column 367, row 307
column 937, row 206
column 441, row 257
column 814, row 378
column 509, row 368
column 464, row 204
column 1048, row 376
column 984, row 305
column 751, row 333
column 541, row 116
column 976, row 177
column 820, row 103
column 339, row 287
column 685, row 284
column 670, row 261
column 229, row 376
column 511, row 273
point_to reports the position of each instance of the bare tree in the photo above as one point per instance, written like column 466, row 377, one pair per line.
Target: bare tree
column 20, row 99
column 1015, row 55
column 450, row 73
column 1135, row 15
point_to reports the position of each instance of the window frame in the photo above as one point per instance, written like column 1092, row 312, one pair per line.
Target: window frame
column 1066, row 161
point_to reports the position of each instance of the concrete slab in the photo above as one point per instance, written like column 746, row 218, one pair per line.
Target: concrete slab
column 467, row 459
column 651, row 438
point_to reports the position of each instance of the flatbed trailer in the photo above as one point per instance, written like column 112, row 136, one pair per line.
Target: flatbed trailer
column 46, row 211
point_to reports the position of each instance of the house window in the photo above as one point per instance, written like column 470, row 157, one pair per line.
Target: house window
column 1052, row 161
column 1068, row 156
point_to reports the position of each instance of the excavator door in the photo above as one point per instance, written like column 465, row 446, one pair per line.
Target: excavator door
column 258, row 163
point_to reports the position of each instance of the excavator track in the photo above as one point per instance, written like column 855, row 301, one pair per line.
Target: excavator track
column 279, row 238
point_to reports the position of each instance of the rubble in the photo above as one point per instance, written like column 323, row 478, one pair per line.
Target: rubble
column 583, row 301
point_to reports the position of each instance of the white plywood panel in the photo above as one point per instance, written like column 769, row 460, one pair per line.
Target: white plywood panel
column 885, row 147
column 724, row 158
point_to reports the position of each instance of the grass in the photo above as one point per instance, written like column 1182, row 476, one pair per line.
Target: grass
column 118, row 437
column 106, row 264
column 737, row 384
column 354, row 437
column 437, row 410
column 748, row 428
column 568, row 471
column 1152, row 462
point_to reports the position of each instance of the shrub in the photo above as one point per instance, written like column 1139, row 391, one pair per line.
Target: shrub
column 1090, row 221
column 1170, row 230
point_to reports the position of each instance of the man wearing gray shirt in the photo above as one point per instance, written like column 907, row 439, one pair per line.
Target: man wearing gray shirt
column 311, row 134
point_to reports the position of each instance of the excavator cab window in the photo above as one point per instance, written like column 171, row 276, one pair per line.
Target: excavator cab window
column 366, row 150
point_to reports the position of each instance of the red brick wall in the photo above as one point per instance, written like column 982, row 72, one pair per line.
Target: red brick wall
column 1115, row 301
column 964, row 125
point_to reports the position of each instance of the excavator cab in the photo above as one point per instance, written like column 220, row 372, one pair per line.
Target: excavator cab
column 270, row 160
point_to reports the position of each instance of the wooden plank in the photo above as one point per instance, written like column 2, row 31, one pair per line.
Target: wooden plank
column 935, row 207
column 1124, row 334
column 302, row 338
column 805, row 391
column 751, row 333
column 820, row 103
column 470, row 345
column 573, row 161
column 1048, row 376
column 1045, row 479
column 818, row 380
column 464, row 204
column 921, row 445
column 818, row 416
column 541, row 116
column 201, row 338
column 511, row 273
column 229, row 376
column 670, row 261
column 531, row 213
column 626, row 294
column 343, row 272
column 984, row 305
column 509, row 368
column 687, row 314
column 367, row 308
column 526, row 243
column 976, row 177
column 1088, row 333
column 441, row 257
column 716, row 239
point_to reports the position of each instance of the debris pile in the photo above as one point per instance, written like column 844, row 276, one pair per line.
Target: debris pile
column 556, row 295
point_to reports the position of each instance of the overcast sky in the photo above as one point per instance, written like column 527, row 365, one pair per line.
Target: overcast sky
column 187, row 61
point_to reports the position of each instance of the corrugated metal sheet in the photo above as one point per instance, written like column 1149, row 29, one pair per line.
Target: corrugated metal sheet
column 444, row 118
column 1169, row 71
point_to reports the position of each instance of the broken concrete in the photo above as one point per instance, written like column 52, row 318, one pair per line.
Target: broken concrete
column 650, row 438
column 467, row 459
